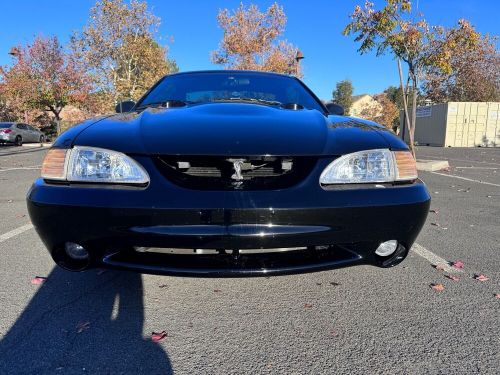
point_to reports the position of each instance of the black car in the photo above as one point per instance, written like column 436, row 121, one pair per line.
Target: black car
column 228, row 173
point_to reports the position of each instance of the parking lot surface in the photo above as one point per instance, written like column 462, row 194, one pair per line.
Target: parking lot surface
column 357, row 320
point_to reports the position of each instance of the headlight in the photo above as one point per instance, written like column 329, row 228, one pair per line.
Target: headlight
column 371, row 166
column 89, row 164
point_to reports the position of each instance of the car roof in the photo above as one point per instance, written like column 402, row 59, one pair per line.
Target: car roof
column 233, row 71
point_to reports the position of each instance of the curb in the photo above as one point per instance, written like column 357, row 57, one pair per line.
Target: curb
column 35, row 145
column 432, row 165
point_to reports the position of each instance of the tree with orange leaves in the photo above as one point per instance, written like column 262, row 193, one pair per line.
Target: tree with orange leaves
column 251, row 41
column 43, row 77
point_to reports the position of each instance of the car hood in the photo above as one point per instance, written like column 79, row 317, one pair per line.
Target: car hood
column 230, row 129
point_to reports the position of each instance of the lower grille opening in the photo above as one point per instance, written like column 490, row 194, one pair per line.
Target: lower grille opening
column 252, row 264
column 235, row 173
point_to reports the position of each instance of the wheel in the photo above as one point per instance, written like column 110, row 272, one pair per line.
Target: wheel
column 42, row 138
column 18, row 141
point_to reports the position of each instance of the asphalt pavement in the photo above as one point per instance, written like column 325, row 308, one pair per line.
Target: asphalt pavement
column 357, row 320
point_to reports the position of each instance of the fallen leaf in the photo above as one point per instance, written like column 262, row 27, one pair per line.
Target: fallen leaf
column 436, row 224
column 434, row 211
column 318, row 284
column 163, row 286
column 481, row 277
column 458, row 264
column 158, row 336
column 37, row 280
column 333, row 283
column 217, row 290
column 452, row 277
column 308, row 305
column 438, row 287
column 440, row 267
column 497, row 295
column 82, row 326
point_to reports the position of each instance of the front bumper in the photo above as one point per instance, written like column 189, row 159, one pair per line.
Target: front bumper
column 334, row 228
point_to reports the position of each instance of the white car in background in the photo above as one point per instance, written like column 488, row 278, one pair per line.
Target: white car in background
column 17, row 133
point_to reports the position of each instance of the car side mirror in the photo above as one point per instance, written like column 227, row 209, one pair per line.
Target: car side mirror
column 335, row 109
column 125, row 106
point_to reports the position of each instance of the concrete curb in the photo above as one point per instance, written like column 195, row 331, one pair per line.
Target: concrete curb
column 35, row 145
column 432, row 165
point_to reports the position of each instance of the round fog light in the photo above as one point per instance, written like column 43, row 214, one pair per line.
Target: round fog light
column 75, row 251
column 387, row 248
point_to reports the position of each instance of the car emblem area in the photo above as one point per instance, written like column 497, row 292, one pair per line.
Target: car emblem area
column 237, row 167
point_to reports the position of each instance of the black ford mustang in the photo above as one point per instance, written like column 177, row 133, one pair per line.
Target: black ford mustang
column 226, row 173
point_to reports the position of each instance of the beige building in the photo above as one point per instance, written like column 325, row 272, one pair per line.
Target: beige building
column 457, row 124
column 364, row 102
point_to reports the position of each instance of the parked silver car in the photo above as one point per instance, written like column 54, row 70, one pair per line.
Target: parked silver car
column 17, row 133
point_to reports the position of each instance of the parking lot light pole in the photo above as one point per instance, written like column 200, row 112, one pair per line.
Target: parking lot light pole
column 298, row 56
column 14, row 52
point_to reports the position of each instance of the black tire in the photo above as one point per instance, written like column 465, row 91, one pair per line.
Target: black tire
column 18, row 141
column 42, row 138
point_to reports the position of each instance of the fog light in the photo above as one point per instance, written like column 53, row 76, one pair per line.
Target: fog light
column 387, row 248
column 75, row 251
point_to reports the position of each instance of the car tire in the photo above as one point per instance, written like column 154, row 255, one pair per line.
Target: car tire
column 18, row 141
column 42, row 139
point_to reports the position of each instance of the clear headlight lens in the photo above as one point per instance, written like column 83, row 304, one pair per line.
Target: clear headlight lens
column 370, row 166
column 89, row 164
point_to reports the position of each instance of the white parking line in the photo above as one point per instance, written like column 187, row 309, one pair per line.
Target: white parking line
column 466, row 179
column 15, row 232
column 20, row 168
column 433, row 258
column 477, row 167
column 462, row 160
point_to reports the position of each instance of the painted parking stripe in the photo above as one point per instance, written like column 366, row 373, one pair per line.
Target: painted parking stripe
column 476, row 167
column 433, row 258
column 462, row 160
column 15, row 232
column 20, row 168
column 466, row 179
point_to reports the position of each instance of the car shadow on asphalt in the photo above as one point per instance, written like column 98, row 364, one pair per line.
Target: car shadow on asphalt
column 89, row 321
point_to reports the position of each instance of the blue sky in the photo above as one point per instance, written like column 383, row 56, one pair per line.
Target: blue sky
column 314, row 26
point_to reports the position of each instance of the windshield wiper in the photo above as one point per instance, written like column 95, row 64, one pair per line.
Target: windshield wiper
column 252, row 100
column 166, row 104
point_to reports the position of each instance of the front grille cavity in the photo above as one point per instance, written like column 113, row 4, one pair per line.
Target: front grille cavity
column 235, row 173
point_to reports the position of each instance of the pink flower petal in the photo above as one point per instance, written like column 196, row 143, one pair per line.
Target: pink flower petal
column 37, row 280
column 158, row 336
column 481, row 278
column 458, row 264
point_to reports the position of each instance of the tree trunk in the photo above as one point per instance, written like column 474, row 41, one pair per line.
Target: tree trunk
column 406, row 124
column 58, row 124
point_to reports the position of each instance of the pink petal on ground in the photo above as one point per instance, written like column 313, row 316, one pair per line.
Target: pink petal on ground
column 440, row 266
column 458, row 264
column 481, row 277
column 308, row 305
column 37, row 280
column 158, row 336
column 452, row 277
column 438, row 287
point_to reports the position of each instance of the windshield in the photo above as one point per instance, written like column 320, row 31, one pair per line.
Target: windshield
column 206, row 87
column 5, row 125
